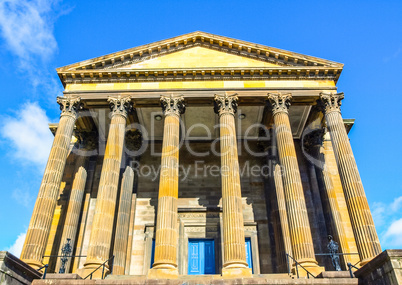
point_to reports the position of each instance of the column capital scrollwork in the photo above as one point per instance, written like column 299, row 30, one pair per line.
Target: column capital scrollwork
column 225, row 104
column 172, row 105
column 69, row 105
column 280, row 103
column 331, row 102
column 120, row 105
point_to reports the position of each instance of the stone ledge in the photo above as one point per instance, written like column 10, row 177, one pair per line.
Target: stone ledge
column 385, row 268
column 334, row 274
column 14, row 271
column 205, row 279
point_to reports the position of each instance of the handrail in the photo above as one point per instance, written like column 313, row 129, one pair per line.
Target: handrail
column 44, row 273
column 103, row 269
column 297, row 264
column 350, row 265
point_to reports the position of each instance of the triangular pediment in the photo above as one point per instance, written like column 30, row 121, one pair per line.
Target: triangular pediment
column 200, row 54
column 196, row 57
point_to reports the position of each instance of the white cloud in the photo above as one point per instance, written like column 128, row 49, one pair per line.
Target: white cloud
column 27, row 28
column 388, row 221
column 393, row 235
column 29, row 134
column 378, row 211
column 16, row 248
column 397, row 204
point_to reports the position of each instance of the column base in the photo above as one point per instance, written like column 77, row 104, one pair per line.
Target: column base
column 310, row 265
column 163, row 273
column 236, row 272
column 90, row 267
column 34, row 264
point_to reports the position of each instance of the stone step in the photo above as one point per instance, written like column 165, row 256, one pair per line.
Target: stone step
column 274, row 279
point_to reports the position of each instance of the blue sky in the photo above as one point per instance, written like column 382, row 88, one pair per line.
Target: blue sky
column 38, row 36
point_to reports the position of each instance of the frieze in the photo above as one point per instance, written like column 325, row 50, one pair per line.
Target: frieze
column 200, row 229
column 198, row 215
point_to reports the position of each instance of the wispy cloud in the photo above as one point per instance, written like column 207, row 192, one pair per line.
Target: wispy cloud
column 393, row 235
column 388, row 221
column 27, row 29
column 29, row 135
column 16, row 248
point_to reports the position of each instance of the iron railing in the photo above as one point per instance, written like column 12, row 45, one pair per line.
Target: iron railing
column 350, row 265
column 103, row 268
column 44, row 273
column 297, row 269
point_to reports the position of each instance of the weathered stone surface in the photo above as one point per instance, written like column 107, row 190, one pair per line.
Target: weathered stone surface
column 385, row 269
column 14, row 271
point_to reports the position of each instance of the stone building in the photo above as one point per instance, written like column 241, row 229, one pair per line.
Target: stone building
column 200, row 154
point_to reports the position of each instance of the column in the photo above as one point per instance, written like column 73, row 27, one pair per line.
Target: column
column 283, row 216
column 102, row 226
column 130, row 234
column 165, row 260
column 362, row 222
column 122, row 226
column 41, row 220
column 235, row 264
column 299, row 227
column 331, row 170
column 315, row 144
column 73, row 214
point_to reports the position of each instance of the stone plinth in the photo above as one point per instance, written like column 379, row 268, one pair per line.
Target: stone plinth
column 14, row 271
column 385, row 269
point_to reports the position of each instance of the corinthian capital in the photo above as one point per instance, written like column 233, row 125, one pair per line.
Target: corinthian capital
column 173, row 105
column 225, row 104
column 69, row 105
column 331, row 102
column 120, row 105
column 279, row 102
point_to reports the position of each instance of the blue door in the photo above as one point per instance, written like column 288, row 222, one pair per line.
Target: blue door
column 201, row 256
column 249, row 257
column 153, row 252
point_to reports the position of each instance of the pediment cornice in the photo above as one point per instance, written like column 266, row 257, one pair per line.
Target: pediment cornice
column 289, row 65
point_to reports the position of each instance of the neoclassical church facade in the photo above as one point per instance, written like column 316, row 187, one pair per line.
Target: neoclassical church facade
column 200, row 155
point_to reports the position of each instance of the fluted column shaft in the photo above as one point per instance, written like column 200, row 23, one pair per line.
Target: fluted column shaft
column 130, row 234
column 41, row 220
column 332, row 179
column 123, row 218
column 299, row 227
column 362, row 222
column 232, row 208
column 102, row 226
column 283, row 216
column 166, row 237
column 73, row 213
